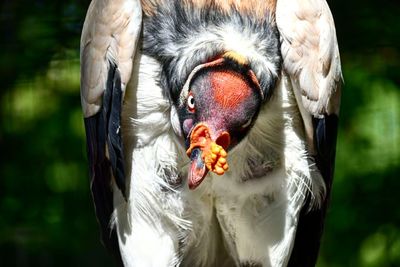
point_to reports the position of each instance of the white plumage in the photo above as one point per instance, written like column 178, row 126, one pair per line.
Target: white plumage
column 248, row 216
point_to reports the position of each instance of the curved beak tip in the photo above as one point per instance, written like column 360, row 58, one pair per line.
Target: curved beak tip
column 197, row 171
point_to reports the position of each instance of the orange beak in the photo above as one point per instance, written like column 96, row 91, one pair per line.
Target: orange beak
column 206, row 154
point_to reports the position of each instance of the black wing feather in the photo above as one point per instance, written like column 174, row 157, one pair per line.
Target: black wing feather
column 105, row 155
column 112, row 115
column 311, row 223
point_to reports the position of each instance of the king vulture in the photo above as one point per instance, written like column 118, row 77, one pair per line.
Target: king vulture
column 211, row 129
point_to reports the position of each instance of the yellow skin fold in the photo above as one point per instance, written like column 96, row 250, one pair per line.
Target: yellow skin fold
column 214, row 157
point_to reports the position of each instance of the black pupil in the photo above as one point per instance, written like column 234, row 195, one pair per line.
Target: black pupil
column 191, row 101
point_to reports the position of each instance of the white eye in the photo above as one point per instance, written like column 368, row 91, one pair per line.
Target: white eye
column 190, row 102
column 247, row 124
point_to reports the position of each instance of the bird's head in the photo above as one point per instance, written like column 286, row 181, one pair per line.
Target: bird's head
column 218, row 106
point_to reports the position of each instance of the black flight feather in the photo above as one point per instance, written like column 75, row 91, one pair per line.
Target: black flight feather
column 112, row 102
column 311, row 223
column 103, row 134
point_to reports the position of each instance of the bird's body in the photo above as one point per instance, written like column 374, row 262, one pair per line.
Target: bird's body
column 225, row 55
column 250, row 201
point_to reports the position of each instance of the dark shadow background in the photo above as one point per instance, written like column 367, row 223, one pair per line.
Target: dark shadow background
column 46, row 214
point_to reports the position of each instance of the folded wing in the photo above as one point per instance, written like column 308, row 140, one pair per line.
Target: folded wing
column 311, row 60
column 108, row 43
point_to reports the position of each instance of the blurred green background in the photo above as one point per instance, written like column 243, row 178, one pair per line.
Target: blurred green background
column 46, row 214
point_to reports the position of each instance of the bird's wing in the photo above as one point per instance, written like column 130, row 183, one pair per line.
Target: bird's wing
column 108, row 42
column 310, row 56
column 311, row 59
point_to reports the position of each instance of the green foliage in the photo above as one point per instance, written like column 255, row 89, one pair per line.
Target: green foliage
column 363, row 224
column 47, row 217
column 47, row 213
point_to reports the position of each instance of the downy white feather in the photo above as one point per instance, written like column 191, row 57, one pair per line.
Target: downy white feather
column 233, row 218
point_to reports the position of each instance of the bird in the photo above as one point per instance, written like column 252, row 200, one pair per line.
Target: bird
column 211, row 129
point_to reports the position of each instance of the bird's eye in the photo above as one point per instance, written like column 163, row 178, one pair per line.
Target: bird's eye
column 190, row 102
column 247, row 123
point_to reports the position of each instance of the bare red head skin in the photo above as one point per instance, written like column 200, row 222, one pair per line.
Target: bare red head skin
column 221, row 105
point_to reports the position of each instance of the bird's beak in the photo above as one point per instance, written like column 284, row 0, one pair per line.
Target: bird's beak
column 207, row 153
